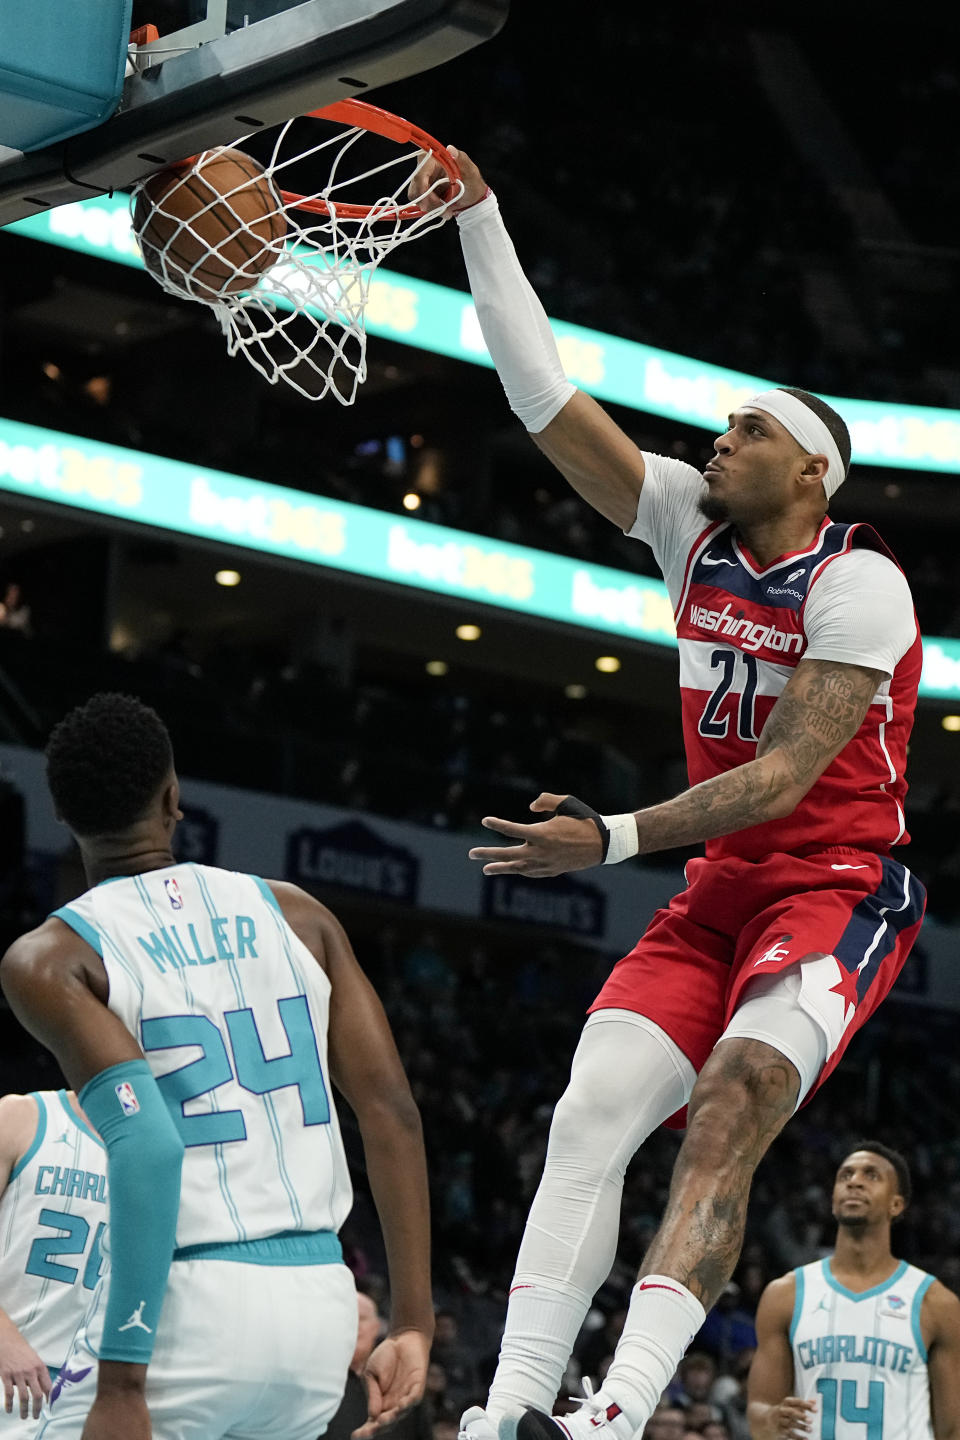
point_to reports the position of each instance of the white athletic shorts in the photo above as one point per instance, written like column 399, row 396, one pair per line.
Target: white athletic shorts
column 245, row 1351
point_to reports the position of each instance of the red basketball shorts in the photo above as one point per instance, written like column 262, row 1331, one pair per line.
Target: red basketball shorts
column 738, row 920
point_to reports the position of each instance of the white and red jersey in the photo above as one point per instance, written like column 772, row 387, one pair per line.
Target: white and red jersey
column 742, row 630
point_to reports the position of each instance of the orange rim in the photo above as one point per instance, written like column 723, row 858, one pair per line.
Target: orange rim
column 360, row 114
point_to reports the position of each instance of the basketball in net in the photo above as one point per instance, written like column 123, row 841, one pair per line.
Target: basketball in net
column 212, row 227
column 286, row 252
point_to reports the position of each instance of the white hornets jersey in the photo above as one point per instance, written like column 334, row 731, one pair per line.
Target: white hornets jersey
column 53, row 1214
column 863, row 1355
column 231, row 1010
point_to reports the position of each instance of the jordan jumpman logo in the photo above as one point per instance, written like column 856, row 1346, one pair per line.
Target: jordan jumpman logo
column 136, row 1321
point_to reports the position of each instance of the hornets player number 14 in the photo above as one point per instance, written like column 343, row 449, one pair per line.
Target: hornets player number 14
column 858, row 1346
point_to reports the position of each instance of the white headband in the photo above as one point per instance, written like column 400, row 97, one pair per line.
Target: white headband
column 807, row 429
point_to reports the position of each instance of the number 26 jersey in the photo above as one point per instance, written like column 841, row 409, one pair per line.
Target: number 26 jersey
column 53, row 1215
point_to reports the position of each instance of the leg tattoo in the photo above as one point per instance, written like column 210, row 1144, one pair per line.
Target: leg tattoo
column 744, row 1097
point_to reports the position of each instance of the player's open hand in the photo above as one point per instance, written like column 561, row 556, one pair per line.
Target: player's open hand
column 552, row 846
column 396, row 1376
column 793, row 1418
column 25, row 1377
column 429, row 195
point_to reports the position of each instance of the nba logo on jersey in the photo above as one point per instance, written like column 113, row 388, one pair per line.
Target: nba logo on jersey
column 129, row 1103
column 895, row 1302
column 173, row 894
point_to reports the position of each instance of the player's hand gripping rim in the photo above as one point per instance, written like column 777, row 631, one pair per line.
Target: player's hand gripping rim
column 570, row 836
column 427, row 191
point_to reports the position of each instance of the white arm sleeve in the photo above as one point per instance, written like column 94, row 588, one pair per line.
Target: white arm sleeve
column 512, row 320
column 860, row 612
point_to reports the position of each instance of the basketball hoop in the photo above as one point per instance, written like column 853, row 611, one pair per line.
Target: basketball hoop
column 302, row 321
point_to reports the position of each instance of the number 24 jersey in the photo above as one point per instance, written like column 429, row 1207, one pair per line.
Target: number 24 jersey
column 232, row 1011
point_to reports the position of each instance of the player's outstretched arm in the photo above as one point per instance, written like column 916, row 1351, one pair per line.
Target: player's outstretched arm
column 366, row 1069
column 821, row 708
column 49, row 978
column 589, row 449
column 773, row 1412
column 940, row 1319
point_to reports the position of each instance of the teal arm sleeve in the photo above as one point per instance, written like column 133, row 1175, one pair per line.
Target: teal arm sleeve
column 144, row 1158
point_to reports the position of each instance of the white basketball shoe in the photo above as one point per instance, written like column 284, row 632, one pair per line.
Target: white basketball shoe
column 475, row 1424
column 595, row 1420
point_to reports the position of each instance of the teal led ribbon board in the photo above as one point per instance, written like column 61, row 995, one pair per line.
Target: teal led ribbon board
column 170, row 495
column 675, row 387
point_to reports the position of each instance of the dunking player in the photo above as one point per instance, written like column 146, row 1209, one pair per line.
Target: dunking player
column 859, row 1343
column 53, row 1212
column 799, row 664
column 194, row 1009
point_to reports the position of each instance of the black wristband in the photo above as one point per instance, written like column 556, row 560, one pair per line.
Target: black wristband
column 579, row 810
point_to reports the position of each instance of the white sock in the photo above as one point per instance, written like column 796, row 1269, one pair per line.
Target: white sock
column 662, row 1320
column 542, row 1325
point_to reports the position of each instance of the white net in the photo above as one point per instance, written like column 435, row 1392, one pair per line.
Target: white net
column 290, row 285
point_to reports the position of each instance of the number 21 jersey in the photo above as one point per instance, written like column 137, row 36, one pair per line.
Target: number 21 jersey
column 742, row 629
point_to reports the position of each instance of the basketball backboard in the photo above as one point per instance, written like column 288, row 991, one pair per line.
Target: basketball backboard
column 249, row 64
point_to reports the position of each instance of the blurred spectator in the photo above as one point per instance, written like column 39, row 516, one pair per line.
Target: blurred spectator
column 728, row 1328
column 435, row 1399
column 458, row 1364
column 668, row 1422
column 694, row 1381
column 795, row 1231
column 598, row 1345
column 14, row 610
column 700, row 1414
column 730, row 1394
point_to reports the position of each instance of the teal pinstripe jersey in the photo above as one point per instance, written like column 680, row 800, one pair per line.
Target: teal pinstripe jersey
column 232, row 1012
column 862, row 1354
column 53, row 1215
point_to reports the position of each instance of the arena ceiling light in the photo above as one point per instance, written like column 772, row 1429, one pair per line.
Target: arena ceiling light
column 951, row 723
column 607, row 664
column 227, row 578
column 468, row 632
column 436, row 667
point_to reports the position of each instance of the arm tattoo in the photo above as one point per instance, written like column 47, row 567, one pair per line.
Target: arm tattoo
column 822, row 707
column 820, row 710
